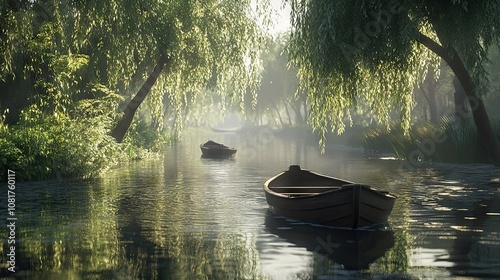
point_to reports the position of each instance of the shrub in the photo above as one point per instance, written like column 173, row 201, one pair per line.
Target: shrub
column 75, row 144
column 59, row 147
column 63, row 145
column 142, row 140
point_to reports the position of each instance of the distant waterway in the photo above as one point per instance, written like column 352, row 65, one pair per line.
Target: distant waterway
column 186, row 217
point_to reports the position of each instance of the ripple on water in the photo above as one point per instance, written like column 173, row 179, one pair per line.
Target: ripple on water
column 183, row 215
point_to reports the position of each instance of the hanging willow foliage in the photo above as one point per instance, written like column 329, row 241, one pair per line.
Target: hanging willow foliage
column 211, row 43
column 60, row 59
column 352, row 50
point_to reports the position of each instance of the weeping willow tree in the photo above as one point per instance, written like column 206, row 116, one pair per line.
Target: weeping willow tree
column 381, row 50
column 74, row 66
column 201, row 44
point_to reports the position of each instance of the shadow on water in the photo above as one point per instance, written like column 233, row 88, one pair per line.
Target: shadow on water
column 353, row 249
column 476, row 248
column 206, row 158
column 454, row 220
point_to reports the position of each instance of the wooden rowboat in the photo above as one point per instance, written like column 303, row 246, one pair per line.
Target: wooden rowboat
column 213, row 149
column 318, row 199
column 225, row 130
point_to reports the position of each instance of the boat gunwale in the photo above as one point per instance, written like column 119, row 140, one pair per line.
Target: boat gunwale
column 217, row 148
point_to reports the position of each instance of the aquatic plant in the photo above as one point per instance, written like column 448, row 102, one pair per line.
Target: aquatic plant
column 460, row 142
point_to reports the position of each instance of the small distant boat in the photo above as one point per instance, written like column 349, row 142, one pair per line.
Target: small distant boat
column 318, row 199
column 214, row 149
column 225, row 129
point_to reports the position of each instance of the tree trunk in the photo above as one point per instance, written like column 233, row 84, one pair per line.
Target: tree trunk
column 430, row 95
column 459, row 97
column 279, row 115
column 123, row 125
column 306, row 111
column 288, row 114
column 296, row 106
column 478, row 110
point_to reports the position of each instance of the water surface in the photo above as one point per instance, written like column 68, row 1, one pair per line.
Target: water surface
column 186, row 217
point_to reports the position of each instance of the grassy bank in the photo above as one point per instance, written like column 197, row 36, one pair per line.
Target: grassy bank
column 70, row 146
column 446, row 141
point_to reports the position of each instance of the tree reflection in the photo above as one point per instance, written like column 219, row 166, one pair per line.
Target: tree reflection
column 476, row 250
column 125, row 227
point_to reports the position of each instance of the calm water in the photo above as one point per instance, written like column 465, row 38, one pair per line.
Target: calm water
column 185, row 217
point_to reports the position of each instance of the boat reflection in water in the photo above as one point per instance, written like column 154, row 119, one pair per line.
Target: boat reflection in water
column 353, row 249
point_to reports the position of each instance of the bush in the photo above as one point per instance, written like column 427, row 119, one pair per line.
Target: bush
column 59, row 147
column 75, row 144
column 142, row 140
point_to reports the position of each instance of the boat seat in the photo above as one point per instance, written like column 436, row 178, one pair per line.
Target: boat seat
column 297, row 194
column 303, row 189
column 306, row 187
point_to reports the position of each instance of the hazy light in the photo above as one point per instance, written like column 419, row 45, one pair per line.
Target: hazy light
column 281, row 16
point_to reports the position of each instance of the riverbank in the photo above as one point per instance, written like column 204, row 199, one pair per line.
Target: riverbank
column 60, row 147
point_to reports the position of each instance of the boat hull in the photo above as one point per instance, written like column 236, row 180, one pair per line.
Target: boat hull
column 213, row 149
column 326, row 200
column 217, row 152
column 225, row 130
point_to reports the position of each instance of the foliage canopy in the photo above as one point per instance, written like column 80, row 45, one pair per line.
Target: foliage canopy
column 370, row 49
column 60, row 58
column 211, row 43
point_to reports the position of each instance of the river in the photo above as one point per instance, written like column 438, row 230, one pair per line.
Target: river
column 186, row 217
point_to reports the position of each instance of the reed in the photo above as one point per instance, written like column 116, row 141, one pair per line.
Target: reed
column 459, row 141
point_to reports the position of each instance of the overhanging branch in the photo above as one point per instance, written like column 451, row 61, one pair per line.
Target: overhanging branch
column 479, row 113
column 451, row 57
column 434, row 46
